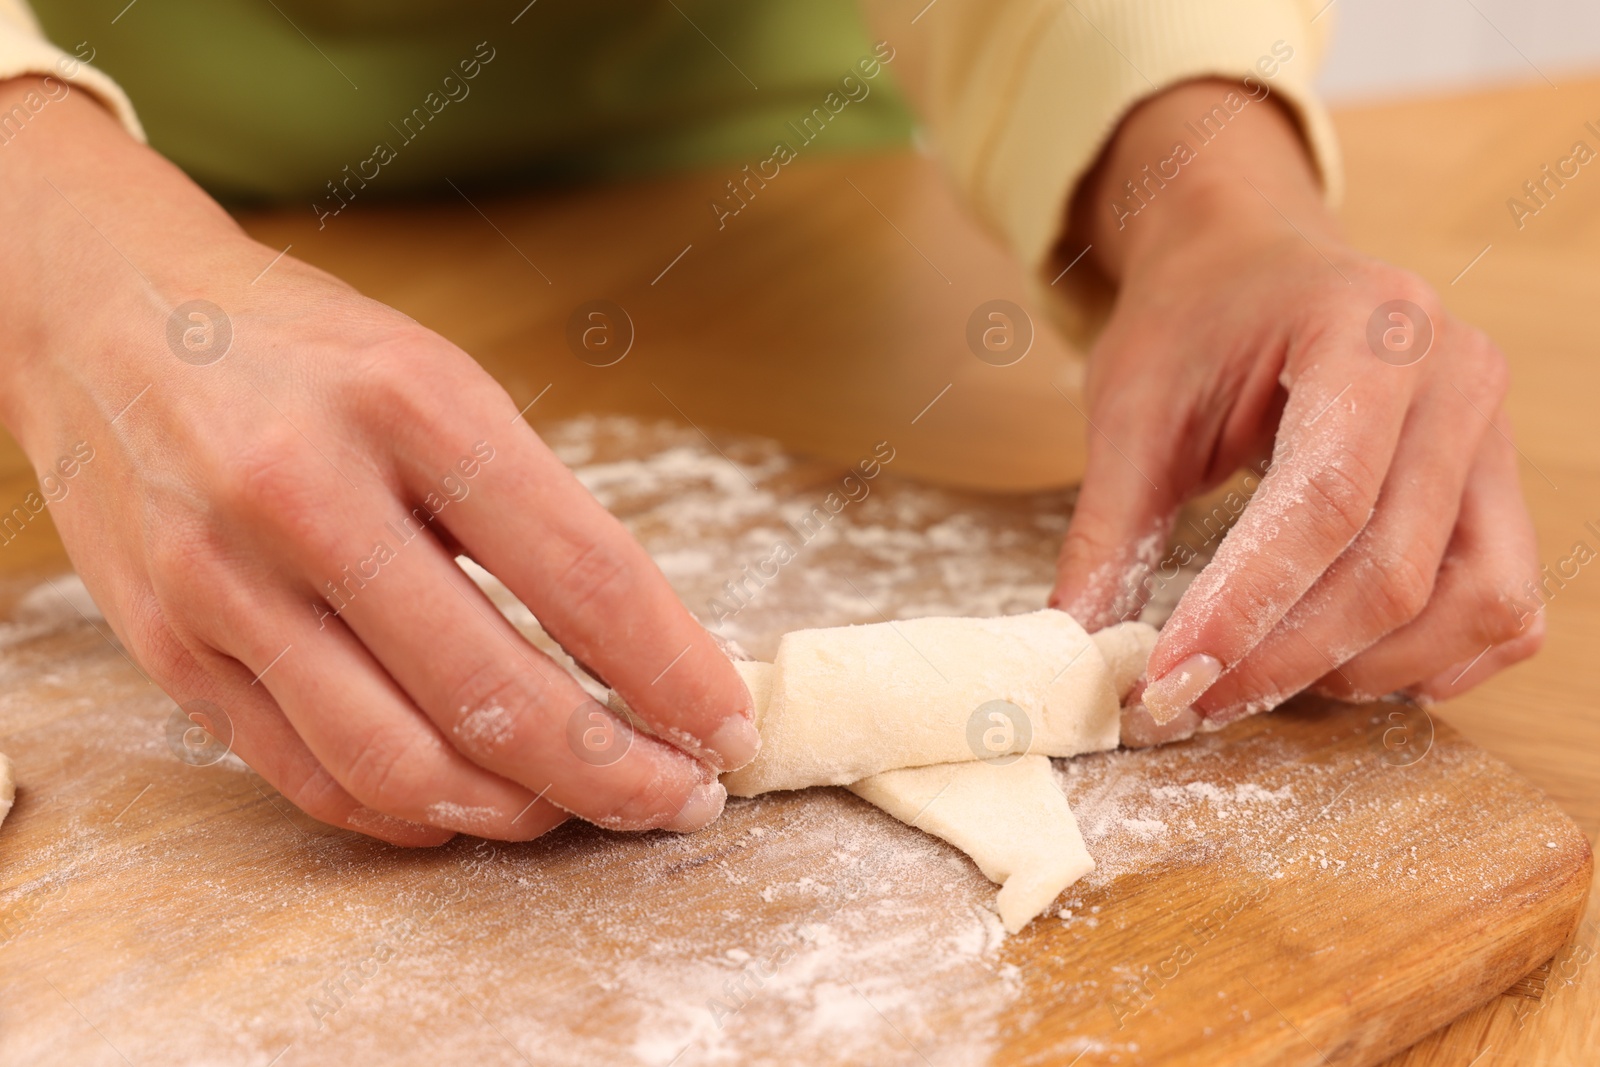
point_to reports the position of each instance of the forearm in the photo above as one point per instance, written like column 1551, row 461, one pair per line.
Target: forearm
column 92, row 224
column 1168, row 177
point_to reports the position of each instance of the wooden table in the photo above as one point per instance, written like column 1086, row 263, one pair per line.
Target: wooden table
column 830, row 311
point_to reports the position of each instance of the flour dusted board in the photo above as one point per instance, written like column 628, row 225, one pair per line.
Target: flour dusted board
column 1283, row 890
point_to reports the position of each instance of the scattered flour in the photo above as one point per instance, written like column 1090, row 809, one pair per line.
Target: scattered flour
column 485, row 729
column 801, row 927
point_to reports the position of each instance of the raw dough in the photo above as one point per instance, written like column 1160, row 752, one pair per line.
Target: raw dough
column 1126, row 648
column 8, row 787
column 1008, row 814
column 1010, row 817
column 853, row 701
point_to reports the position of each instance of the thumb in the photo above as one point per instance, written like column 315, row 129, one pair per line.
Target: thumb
column 1130, row 496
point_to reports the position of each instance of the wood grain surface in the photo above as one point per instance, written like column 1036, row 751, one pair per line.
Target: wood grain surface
column 831, row 321
column 1323, row 885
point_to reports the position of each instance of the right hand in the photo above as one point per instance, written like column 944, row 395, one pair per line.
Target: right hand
column 223, row 498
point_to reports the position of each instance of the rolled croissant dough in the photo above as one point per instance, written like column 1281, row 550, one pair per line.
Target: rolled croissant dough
column 1010, row 817
column 853, row 701
column 886, row 710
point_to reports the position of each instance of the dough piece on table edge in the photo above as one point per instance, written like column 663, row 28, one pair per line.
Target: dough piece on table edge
column 1008, row 814
column 8, row 787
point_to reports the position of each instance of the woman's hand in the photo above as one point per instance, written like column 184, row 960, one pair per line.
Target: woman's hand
column 1388, row 547
column 280, row 480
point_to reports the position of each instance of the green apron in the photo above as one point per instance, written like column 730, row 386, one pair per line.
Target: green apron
column 263, row 100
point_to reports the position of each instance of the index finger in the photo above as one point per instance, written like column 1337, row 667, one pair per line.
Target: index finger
column 600, row 595
column 1336, row 439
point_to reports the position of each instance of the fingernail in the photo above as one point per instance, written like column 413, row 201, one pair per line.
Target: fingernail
column 736, row 741
column 1180, row 687
column 464, row 818
column 704, row 805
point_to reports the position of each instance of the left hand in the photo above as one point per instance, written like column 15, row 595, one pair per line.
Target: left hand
column 1389, row 547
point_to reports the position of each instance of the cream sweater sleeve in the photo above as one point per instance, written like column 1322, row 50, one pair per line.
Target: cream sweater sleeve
column 24, row 50
column 1022, row 95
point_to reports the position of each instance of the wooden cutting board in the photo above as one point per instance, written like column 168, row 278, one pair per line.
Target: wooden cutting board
column 1322, row 885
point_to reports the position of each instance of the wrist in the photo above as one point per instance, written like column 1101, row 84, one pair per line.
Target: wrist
column 1171, row 179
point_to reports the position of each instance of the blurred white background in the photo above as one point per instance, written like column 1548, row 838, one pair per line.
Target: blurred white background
column 1386, row 48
